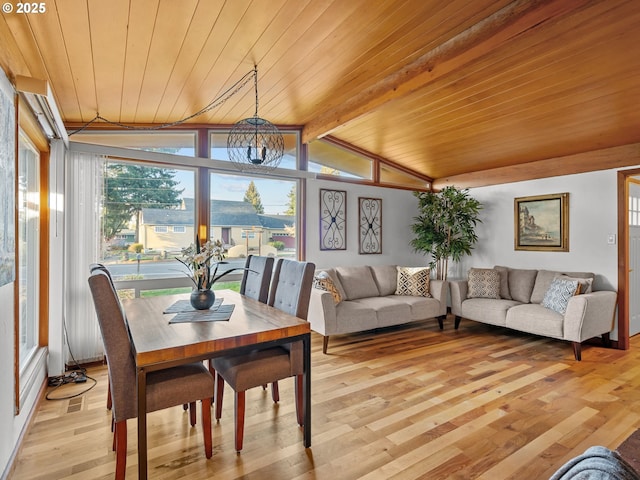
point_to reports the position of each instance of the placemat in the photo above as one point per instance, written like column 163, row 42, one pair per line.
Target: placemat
column 223, row 313
column 185, row 306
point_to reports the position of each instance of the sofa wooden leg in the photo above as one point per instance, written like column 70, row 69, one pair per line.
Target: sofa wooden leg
column 577, row 350
column 325, row 344
column 606, row 340
column 441, row 321
column 457, row 322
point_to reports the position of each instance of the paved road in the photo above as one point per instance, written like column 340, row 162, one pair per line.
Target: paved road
column 160, row 269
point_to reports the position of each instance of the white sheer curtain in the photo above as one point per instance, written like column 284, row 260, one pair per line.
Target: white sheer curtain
column 83, row 193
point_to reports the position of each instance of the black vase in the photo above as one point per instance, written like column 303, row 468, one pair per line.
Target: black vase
column 202, row 299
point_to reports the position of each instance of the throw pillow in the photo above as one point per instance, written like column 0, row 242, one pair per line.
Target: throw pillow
column 585, row 284
column 322, row 281
column 483, row 283
column 504, row 282
column 558, row 295
column 413, row 281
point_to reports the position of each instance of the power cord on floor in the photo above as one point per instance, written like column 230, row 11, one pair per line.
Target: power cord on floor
column 77, row 375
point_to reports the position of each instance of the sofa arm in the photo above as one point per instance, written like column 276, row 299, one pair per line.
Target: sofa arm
column 589, row 315
column 322, row 312
column 458, row 295
column 439, row 290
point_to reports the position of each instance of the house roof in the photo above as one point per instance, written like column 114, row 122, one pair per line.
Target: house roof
column 453, row 90
column 224, row 213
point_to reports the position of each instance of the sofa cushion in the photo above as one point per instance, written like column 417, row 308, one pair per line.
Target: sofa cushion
column 536, row 319
column 322, row 281
column 386, row 278
column 487, row 310
column 483, row 283
column 413, row 281
column 357, row 282
column 389, row 311
column 355, row 317
column 559, row 293
column 421, row 307
column 586, row 284
column 504, row 281
column 521, row 284
column 545, row 277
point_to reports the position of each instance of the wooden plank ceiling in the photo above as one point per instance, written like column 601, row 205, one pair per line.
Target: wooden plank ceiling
column 448, row 89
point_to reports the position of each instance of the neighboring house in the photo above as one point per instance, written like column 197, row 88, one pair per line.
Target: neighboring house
column 233, row 222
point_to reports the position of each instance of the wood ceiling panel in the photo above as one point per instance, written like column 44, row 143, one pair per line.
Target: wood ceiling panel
column 142, row 18
column 501, row 83
column 172, row 23
column 108, row 32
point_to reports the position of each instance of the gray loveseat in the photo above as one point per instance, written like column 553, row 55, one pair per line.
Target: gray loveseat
column 520, row 301
column 368, row 301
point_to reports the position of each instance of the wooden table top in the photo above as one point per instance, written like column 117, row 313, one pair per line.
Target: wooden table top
column 156, row 341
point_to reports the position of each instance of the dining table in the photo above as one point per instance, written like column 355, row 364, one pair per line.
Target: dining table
column 165, row 331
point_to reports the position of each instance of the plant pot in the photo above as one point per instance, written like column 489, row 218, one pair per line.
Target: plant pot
column 202, row 299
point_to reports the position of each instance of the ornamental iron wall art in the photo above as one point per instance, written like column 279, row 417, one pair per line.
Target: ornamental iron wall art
column 370, row 226
column 333, row 219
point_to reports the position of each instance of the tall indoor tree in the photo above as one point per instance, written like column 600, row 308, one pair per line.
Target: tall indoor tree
column 445, row 226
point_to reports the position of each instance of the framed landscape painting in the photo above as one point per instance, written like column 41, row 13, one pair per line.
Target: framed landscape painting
column 542, row 223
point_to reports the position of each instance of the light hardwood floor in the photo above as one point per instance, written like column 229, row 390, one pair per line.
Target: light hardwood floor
column 405, row 402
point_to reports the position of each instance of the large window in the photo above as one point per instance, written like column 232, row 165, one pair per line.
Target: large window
column 175, row 142
column 329, row 159
column 29, row 248
column 218, row 148
column 147, row 217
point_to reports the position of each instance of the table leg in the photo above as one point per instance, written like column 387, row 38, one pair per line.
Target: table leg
column 306, row 348
column 142, row 424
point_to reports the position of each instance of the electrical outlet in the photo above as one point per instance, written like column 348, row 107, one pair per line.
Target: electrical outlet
column 611, row 239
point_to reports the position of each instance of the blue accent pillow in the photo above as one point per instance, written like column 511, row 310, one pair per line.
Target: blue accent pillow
column 558, row 294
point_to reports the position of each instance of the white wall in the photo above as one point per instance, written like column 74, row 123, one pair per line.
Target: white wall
column 398, row 209
column 592, row 217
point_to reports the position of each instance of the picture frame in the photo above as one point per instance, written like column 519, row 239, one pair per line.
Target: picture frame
column 333, row 219
column 369, row 225
column 541, row 223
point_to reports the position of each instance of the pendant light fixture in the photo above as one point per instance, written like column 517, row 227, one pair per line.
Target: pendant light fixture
column 254, row 144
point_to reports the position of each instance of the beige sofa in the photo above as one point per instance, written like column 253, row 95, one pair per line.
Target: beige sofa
column 520, row 306
column 368, row 301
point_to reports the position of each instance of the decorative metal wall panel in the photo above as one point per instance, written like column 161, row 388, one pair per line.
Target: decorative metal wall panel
column 333, row 219
column 370, row 227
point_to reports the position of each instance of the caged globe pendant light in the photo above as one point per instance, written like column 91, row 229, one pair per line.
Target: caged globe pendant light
column 254, row 143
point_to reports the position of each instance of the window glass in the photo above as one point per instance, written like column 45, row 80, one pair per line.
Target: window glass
column 330, row 159
column 394, row 176
column 218, row 148
column 148, row 216
column 29, row 247
column 253, row 215
column 173, row 142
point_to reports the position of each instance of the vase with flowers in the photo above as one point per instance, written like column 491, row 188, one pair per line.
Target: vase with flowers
column 203, row 262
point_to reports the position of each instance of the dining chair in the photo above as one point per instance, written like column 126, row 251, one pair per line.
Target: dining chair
column 257, row 278
column 290, row 292
column 184, row 384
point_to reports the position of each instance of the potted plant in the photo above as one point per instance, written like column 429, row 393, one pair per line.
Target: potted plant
column 203, row 272
column 445, row 226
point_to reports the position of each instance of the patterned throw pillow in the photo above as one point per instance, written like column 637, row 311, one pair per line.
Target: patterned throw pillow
column 413, row 281
column 483, row 283
column 322, row 281
column 558, row 295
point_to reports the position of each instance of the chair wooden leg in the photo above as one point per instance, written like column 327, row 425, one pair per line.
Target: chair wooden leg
column 109, row 401
column 219, row 395
column 325, row 344
column 239, row 415
column 606, row 339
column 577, row 350
column 192, row 414
column 275, row 392
column 121, row 449
column 212, row 371
column 206, row 427
column 298, row 392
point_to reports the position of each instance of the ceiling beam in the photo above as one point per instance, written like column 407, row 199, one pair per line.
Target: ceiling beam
column 604, row 159
column 469, row 45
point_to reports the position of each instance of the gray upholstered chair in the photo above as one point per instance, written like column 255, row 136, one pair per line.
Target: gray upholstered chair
column 184, row 384
column 256, row 280
column 290, row 292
